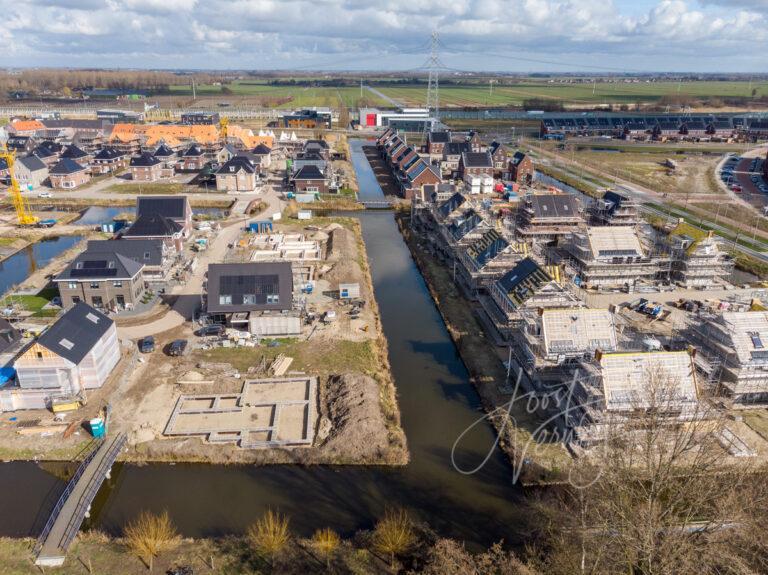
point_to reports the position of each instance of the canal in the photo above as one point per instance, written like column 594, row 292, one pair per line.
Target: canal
column 17, row 267
column 437, row 404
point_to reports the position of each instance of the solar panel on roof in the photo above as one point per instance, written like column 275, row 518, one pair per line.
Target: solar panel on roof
column 93, row 273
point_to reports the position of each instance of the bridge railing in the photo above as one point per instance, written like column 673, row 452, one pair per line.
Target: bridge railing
column 90, row 491
column 65, row 494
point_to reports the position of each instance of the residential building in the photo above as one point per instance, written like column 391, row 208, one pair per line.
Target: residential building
column 548, row 216
column 309, row 180
column 22, row 145
column 68, row 174
column 485, row 257
column 103, row 279
column 499, row 155
column 615, row 388
column 436, row 142
column 609, row 257
column 154, row 255
column 733, row 351
column 78, row 352
column 109, row 161
column 146, row 168
column 613, row 209
column 475, row 164
column 452, row 153
column 696, row 258
column 263, row 155
column 193, row 159
column 237, row 175
column 415, row 176
column 157, row 227
column 176, row 208
column 309, row 119
column 30, row 171
column 256, row 296
column 309, row 159
column 77, row 154
column 168, row 160
column 521, row 169
column 197, row 118
column 48, row 152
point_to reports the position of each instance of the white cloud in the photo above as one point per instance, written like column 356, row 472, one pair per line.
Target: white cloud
column 671, row 34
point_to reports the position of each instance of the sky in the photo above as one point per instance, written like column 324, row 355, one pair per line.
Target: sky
column 475, row 35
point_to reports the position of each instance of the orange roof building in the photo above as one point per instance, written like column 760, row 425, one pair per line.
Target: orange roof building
column 27, row 126
column 247, row 138
column 154, row 134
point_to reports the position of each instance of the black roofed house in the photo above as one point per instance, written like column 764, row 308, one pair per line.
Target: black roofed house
column 102, row 278
column 176, row 208
column 720, row 129
column 693, row 129
column 418, row 175
column 156, row 226
column 665, row 130
column 30, row 172
column 527, row 286
column 192, row 159
column 309, row 180
column 78, row 352
column 436, row 142
column 498, row 152
column 521, row 169
column 48, row 152
column 548, row 216
column 237, row 175
column 67, row 174
column 319, row 146
column 264, row 155
column 22, row 145
column 452, row 155
column 77, row 154
column 475, row 143
column 156, row 257
column 309, row 159
column 475, row 164
column 109, row 161
column 168, row 160
column 146, row 168
column 256, row 296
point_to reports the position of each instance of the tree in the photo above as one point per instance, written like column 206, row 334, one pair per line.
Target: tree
column 658, row 496
column 394, row 534
column 149, row 535
column 326, row 541
column 449, row 557
column 269, row 535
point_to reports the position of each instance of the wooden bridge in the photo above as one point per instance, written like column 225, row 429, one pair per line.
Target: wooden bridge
column 73, row 505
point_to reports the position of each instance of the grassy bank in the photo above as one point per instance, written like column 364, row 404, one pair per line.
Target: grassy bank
column 566, row 178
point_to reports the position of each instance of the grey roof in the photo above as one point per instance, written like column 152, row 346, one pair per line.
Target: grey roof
column 66, row 166
column 555, row 206
column 76, row 124
column 257, row 279
column 477, row 160
column 174, row 207
column 193, row 151
column 73, row 152
column 8, row 335
column 108, row 154
column 456, row 148
column 164, row 151
column 76, row 332
column 100, row 265
column 32, row 163
column 148, row 252
column 309, row 172
column 517, row 158
column 153, row 226
column 237, row 163
column 440, row 137
column 261, row 150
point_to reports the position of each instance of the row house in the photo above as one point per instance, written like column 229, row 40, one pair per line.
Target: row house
column 485, row 257
column 436, row 142
column 452, row 153
column 477, row 164
column 500, row 157
column 520, row 169
column 48, row 152
column 613, row 209
column 155, row 257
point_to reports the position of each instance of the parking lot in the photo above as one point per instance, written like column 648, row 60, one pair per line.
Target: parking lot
column 744, row 176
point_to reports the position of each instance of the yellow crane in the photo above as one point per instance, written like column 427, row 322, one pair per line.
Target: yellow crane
column 23, row 213
column 223, row 123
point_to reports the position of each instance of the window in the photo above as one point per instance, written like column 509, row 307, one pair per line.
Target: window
column 75, row 299
column 756, row 341
column 249, row 299
column 94, row 285
column 72, row 285
column 117, row 283
column 225, row 300
column 146, row 255
column 273, row 298
column 96, row 301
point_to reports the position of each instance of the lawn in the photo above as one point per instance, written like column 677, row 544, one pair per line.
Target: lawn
column 34, row 303
column 151, row 188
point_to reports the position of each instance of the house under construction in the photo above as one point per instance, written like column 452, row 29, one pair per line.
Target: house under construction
column 613, row 209
column 482, row 260
column 548, row 216
column 695, row 258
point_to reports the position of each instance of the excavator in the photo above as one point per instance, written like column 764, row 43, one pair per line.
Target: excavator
column 24, row 215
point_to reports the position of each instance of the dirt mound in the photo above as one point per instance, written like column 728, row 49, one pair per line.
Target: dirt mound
column 358, row 430
column 341, row 243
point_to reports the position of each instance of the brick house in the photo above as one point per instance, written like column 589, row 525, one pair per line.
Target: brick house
column 498, row 153
column 452, row 156
column 310, row 180
column 108, row 161
column 176, row 208
column 105, row 280
column 77, row 154
column 49, row 152
column 521, row 168
column 475, row 164
column 419, row 175
column 30, row 171
column 193, row 159
column 263, row 155
column 436, row 142
column 68, row 174
column 146, row 168
column 237, row 175
column 168, row 160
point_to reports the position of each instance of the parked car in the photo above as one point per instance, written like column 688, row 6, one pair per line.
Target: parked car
column 45, row 195
column 177, row 347
column 147, row 344
column 216, row 329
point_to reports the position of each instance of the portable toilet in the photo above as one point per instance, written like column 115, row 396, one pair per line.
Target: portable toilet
column 97, row 427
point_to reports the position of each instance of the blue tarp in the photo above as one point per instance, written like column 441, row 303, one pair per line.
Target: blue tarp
column 6, row 374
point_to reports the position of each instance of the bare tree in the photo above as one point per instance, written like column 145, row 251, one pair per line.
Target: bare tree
column 149, row 535
column 659, row 496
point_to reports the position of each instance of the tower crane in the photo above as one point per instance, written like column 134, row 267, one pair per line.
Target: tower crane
column 223, row 123
column 24, row 215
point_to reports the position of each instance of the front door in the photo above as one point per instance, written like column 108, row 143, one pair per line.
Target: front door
column 120, row 301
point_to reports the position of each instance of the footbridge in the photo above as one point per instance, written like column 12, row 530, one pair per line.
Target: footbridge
column 75, row 502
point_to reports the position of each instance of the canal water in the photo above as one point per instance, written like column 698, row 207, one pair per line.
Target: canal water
column 96, row 215
column 17, row 267
column 437, row 404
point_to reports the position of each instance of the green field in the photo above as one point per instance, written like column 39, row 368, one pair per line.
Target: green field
column 599, row 93
column 286, row 96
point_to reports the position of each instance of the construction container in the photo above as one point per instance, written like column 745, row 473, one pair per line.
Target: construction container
column 349, row 291
column 97, row 427
column 305, row 214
